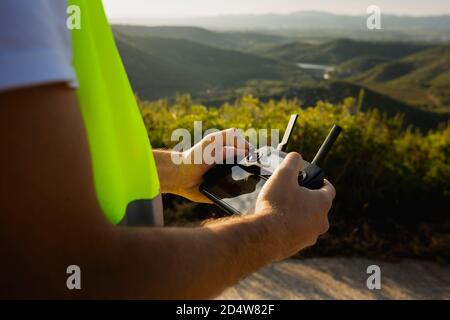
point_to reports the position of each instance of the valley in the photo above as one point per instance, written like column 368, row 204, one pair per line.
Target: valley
column 213, row 67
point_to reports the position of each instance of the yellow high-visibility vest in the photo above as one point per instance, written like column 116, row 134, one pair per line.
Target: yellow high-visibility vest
column 125, row 175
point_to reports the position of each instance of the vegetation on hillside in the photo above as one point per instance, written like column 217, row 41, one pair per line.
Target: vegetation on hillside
column 160, row 67
column 215, row 67
column 341, row 50
column 425, row 75
column 222, row 40
column 393, row 184
column 335, row 92
column 358, row 65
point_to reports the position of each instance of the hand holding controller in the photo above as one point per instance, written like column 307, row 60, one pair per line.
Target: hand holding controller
column 295, row 216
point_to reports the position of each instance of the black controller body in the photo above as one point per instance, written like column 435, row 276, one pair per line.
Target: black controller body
column 235, row 187
column 268, row 159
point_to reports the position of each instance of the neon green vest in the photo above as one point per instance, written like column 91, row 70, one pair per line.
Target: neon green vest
column 125, row 175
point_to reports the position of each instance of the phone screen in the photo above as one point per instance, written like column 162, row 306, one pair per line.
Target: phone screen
column 233, row 188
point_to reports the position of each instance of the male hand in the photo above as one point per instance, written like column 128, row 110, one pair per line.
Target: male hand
column 185, row 179
column 297, row 216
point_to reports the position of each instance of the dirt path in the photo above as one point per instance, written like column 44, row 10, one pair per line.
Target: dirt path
column 341, row 278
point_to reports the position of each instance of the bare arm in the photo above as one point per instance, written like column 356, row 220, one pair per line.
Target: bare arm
column 50, row 219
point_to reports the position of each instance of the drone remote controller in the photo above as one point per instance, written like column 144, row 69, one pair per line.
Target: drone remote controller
column 235, row 187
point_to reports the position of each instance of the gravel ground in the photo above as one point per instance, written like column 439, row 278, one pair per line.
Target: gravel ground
column 342, row 278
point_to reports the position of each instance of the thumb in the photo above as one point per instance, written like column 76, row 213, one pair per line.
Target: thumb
column 289, row 169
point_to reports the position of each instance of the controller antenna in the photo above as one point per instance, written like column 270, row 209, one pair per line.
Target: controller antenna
column 288, row 133
column 326, row 146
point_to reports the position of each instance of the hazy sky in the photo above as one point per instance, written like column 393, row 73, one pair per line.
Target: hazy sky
column 192, row 8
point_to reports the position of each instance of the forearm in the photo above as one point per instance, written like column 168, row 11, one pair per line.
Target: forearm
column 50, row 219
column 186, row 263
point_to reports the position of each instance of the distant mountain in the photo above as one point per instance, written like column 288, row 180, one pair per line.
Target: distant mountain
column 159, row 67
column 224, row 40
column 340, row 50
column 300, row 20
column 421, row 78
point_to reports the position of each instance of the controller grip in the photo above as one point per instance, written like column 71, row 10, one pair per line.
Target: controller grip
column 311, row 177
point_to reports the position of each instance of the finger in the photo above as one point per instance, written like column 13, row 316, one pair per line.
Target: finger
column 228, row 155
column 232, row 138
column 226, row 138
column 324, row 195
column 289, row 169
column 328, row 189
column 232, row 153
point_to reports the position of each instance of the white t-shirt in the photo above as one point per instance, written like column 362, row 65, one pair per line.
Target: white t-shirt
column 35, row 43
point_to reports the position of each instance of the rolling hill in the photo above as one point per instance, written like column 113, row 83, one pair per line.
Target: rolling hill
column 398, row 77
column 421, row 79
column 223, row 40
column 159, row 67
column 341, row 50
column 358, row 65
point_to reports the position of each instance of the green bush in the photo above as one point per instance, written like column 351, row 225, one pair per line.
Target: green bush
column 393, row 184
